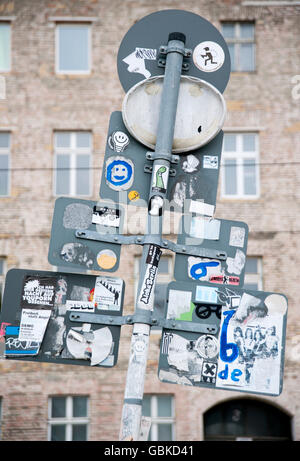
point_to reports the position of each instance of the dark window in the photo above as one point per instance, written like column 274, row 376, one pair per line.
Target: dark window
column 246, row 419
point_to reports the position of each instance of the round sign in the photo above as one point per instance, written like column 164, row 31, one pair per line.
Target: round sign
column 200, row 115
column 138, row 54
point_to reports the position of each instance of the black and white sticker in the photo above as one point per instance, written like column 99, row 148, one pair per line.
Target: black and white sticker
column 38, row 292
column 106, row 216
column 208, row 56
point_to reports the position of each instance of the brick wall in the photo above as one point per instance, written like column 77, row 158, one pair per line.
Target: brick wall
column 39, row 101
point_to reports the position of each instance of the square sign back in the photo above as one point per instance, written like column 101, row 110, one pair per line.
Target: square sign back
column 244, row 350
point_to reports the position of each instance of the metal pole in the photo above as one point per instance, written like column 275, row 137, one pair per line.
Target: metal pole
column 134, row 389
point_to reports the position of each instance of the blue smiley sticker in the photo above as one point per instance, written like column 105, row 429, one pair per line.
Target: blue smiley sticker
column 119, row 173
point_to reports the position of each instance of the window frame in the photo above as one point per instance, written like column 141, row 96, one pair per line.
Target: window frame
column 72, row 151
column 239, row 155
column 89, row 48
column 255, row 277
column 68, row 420
column 237, row 41
column 7, row 151
column 8, row 22
column 156, row 420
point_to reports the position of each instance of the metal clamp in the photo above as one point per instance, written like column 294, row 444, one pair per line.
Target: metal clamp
column 117, row 320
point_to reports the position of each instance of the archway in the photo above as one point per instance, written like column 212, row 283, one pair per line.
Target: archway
column 246, row 419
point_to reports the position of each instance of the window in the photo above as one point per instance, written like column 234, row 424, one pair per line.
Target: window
column 240, row 166
column 73, row 48
column 68, row 418
column 72, row 163
column 4, row 47
column 161, row 410
column 240, row 40
column 253, row 273
column 246, row 419
column 4, row 164
column 164, row 277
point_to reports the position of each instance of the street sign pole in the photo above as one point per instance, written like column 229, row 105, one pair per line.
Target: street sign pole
column 162, row 159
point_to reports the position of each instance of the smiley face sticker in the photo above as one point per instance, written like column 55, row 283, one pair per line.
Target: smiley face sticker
column 119, row 173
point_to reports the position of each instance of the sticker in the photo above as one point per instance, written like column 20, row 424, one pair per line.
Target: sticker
column 207, row 346
column 108, row 293
column 17, row 348
column 205, row 228
column 106, row 216
column 190, row 164
column 230, row 280
column 77, row 253
column 209, row 372
column 207, row 294
column 106, row 259
column 198, row 207
column 146, row 294
column 235, row 265
column 77, row 216
column 119, row 173
column 250, row 354
column 208, row 56
column 136, row 60
column 38, row 291
column 203, row 268
column 179, row 303
column 61, row 291
column 80, row 306
column 33, row 324
column 93, row 345
column 118, row 141
column 160, row 178
column 133, row 195
column 211, row 161
column 237, row 236
column 79, row 293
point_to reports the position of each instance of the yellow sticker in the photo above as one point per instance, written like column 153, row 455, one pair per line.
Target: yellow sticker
column 106, row 259
column 133, row 195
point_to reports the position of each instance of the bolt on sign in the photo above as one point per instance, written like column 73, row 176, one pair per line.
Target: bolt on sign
column 237, row 343
column 77, row 227
column 36, row 317
column 227, row 238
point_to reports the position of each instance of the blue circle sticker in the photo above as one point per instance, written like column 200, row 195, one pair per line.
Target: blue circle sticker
column 119, row 173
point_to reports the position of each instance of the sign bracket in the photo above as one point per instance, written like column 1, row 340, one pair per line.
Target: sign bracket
column 151, row 239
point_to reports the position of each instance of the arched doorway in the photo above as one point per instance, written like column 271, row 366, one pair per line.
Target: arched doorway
column 246, row 419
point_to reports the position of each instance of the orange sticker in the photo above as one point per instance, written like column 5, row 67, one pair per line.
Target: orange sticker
column 133, row 195
column 106, row 259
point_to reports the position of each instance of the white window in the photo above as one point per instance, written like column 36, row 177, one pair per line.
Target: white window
column 241, row 44
column 68, row 418
column 5, row 47
column 164, row 277
column 73, row 163
column 73, row 48
column 253, row 273
column 240, row 166
column 160, row 408
column 4, row 164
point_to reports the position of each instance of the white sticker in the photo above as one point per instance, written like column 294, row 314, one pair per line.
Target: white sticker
column 208, row 294
column 203, row 268
column 108, row 293
column 235, row 265
column 202, row 208
column 179, row 303
column 237, row 236
column 80, row 306
column 211, row 161
column 205, row 228
column 33, row 324
column 208, row 56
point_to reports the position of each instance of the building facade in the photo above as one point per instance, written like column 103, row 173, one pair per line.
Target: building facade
column 58, row 87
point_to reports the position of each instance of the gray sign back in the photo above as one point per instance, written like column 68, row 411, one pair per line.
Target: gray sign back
column 196, row 174
column 153, row 31
column 222, row 235
column 53, row 348
column 67, row 250
column 242, row 348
